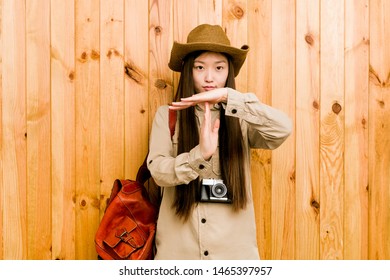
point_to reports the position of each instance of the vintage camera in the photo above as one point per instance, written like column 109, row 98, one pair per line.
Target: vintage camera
column 214, row 190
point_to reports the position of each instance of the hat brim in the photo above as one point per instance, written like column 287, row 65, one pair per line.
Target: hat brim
column 180, row 51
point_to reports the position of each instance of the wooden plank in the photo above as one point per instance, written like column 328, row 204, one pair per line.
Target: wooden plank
column 307, row 130
column 235, row 23
column 1, row 132
column 210, row 11
column 63, row 128
column 183, row 24
column 87, row 110
column 112, row 95
column 259, row 62
column 136, row 85
column 38, row 129
column 379, row 136
column 283, row 158
column 356, row 129
column 160, row 44
column 14, row 132
column 332, row 130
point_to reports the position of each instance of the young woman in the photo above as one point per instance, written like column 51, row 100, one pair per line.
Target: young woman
column 207, row 208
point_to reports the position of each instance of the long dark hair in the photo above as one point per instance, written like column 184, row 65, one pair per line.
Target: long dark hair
column 231, row 146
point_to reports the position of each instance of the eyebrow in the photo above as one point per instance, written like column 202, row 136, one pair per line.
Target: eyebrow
column 216, row 62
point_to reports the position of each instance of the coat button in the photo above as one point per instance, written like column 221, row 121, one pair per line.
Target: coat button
column 206, row 253
column 234, row 111
column 201, row 166
column 203, row 221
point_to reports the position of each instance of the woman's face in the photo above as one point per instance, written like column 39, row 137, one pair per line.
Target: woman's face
column 210, row 71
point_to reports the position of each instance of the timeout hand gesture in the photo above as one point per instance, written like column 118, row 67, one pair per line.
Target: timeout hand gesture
column 208, row 140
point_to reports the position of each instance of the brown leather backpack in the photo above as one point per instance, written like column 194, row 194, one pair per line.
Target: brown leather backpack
column 128, row 226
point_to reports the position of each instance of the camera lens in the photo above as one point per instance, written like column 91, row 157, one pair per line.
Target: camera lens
column 219, row 190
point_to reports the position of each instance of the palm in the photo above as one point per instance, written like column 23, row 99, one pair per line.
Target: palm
column 212, row 97
column 209, row 134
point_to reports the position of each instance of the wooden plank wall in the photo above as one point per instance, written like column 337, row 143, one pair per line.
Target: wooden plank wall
column 82, row 79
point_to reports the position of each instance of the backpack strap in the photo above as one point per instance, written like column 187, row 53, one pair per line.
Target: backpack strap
column 172, row 121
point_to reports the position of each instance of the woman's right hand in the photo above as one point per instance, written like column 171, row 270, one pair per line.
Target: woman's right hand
column 208, row 141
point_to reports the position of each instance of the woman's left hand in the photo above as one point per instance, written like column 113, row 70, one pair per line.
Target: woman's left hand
column 212, row 97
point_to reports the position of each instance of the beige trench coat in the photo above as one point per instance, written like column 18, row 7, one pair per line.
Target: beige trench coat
column 213, row 231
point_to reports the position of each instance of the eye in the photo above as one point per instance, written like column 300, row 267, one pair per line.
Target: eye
column 198, row 67
column 220, row 68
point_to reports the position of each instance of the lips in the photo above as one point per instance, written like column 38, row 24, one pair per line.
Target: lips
column 206, row 88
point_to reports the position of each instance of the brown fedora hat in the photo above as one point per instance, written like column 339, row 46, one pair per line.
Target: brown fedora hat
column 207, row 37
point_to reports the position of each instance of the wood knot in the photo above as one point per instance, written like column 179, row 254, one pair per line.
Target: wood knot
column 84, row 56
column 238, row 12
column 95, row 55
column 71, row 76
column 158, row 30
column 133, row 72
column 364, row 122
column 112, row 52
column 336, row 108
column 309, row 39
column 316, row 105
column 292, row 176
column 160, row 84
column 83, row 203
column 314, row 204
column 95, row 202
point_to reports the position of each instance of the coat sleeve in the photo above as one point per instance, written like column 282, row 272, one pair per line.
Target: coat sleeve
column 166, row 168
column 267, row 127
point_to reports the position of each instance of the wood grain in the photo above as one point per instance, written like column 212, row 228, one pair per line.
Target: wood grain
column 259, row 62
column 332, row 114
column 14, row 145
column 235, row 22
column 379, row 136
column 39, row 202
column 210, row 11
column 283, row 158
column 136, row 86
column 87, row 115
column 112, row 96
column 308, row 202
column 160, row 44
column 63, row 129
column 78, row 78
column 356, row 130
column 1, row 134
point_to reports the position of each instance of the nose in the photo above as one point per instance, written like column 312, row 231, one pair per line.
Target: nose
column 208, row 76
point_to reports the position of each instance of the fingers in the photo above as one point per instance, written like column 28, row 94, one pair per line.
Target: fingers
column 207, row 109
column 208, row 140
column 212, row 97
column 207, row 116
column 180, row 105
